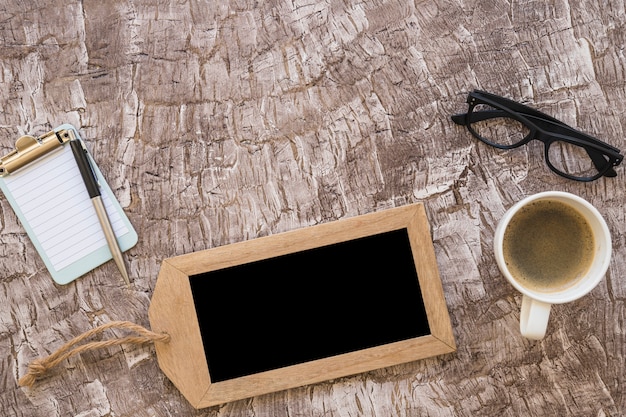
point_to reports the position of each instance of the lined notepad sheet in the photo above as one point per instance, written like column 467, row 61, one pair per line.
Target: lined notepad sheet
column 51, row 200
column 52, row 195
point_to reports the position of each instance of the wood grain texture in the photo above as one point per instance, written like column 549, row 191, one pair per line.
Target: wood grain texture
column 219, row 122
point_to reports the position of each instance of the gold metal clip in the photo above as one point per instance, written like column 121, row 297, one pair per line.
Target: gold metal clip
column 30, row 148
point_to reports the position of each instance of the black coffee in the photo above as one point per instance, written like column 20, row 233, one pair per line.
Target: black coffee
column 548, row 245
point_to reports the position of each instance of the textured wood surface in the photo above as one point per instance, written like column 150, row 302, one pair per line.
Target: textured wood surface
column 218, row 122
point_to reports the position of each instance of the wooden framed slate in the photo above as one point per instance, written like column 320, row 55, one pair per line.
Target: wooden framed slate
column 301, row 307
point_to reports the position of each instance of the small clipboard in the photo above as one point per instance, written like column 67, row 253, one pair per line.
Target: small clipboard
column 43, row 184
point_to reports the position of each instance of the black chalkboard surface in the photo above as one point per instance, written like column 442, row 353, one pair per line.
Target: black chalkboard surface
column 301, row 307
column 309, row 305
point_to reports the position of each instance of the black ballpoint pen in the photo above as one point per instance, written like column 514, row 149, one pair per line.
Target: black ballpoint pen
column 93, row 189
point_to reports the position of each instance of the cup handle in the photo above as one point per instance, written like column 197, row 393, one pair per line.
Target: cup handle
column 533, row 320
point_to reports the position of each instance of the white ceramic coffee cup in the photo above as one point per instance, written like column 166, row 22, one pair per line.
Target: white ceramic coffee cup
column 536, row 305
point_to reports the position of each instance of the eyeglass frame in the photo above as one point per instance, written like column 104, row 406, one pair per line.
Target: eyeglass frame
column 541, row 127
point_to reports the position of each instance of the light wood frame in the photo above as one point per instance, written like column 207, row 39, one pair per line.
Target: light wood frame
column 183, row 359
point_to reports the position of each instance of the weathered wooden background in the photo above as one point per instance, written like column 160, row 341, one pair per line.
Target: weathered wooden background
column 221, row 121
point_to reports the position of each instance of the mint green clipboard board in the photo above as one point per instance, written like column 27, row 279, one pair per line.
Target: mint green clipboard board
column 85, row 249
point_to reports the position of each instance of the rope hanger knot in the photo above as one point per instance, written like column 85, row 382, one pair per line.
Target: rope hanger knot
column 39, row 367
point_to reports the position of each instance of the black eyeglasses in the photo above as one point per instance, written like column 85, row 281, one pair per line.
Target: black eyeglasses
column 506, row 124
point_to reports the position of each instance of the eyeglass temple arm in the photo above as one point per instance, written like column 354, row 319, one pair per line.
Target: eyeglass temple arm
column 483, row 115
column 478, row 116
column 462, row 119
column 515, row 106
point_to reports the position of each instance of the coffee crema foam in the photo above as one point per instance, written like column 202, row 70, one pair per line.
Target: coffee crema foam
column 548, row 246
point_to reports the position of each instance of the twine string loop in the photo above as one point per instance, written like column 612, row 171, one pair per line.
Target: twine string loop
column 39, row 367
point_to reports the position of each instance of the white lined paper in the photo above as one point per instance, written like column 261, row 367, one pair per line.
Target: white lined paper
column 54, row 201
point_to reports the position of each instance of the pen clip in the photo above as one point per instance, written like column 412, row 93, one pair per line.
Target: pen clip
column 72, row 137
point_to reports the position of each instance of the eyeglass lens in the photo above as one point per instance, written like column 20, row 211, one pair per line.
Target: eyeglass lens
column 570, row 159
column 499, row 129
